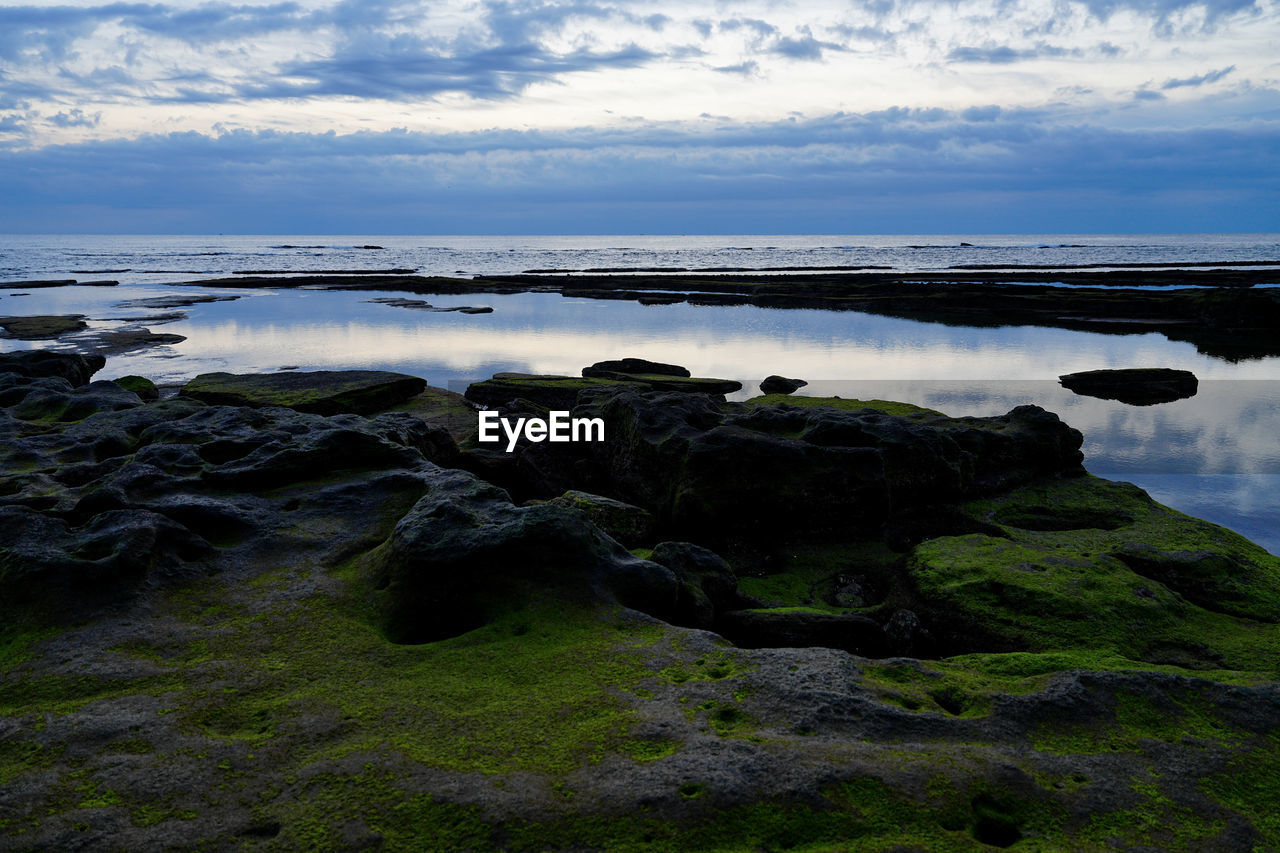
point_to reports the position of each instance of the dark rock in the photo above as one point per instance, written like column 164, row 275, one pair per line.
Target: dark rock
column 423, row 305
column 798, row 626
column 73, row 367
column 126, row 339
column 606, row 369
column 549, row 391
column 630, row 525
column 41, row 327
column 322, row 392
column 716, row 472
column 1144, row 386
column 465, row 550
column 708, row 584
column 173, row 301
column 780, row 385
column 907, row 636
column 659, row 377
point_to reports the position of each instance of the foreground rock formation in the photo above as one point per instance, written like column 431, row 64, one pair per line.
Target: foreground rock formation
column 839, row 626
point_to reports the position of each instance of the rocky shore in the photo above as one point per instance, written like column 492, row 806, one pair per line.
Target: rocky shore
column 311, row 610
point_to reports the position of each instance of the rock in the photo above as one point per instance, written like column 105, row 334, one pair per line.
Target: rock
column 125, row 339
column 799, row 626
column 606, row 369
column 423, row 305
column 630, row 525
column 322, row 392
column 41, row 327
column 1145, row 386
column 464, row 551
column 443, row 408
column 780, row 385
column 1159, row 587
column 73, row 367
column 715, row 473
column 907, row 636
column 708, row 585
column 143, row 387
column 173, row 301
column 548, row 391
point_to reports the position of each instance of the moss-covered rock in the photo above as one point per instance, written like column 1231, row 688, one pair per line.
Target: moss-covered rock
column 322, row 392
column 140, row 385
column 1087, row 563
column 39, row 327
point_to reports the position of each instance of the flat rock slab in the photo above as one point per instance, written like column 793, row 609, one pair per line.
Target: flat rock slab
column 41, row 327
column 423, row 305
column 321, row 392
column 447, row 409
column 551, row 391
column 606, row 369
column 1145, row 386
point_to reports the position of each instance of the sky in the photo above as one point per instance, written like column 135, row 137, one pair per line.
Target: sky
column 611, row 116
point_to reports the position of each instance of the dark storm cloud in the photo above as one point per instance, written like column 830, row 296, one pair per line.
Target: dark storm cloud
column 1200, row 79
column 985, row 169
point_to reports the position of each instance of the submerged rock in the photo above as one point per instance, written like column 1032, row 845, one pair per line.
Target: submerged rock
column 1144, row 386
column 324, row 392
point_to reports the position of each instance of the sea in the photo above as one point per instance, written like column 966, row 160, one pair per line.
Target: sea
column 1215, row 455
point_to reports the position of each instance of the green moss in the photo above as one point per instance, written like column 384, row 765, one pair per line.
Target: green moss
column 714, row 667
column 814, row 575
column 888, row 407
column 1135, row 722
column 1049, row 590
column 1250, row 786
column 650, row 750
column 140, row 385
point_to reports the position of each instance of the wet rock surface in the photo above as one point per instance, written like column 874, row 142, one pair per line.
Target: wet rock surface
column 40, row 327
column 241, row 626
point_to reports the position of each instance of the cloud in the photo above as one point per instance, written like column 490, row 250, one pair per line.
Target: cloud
column 1002, row 54
column 897, row 169
column 50, row 31
column 1200, row 79
column 804, row 46
column 75, row 118
column 750, row 68
column 1164, row 12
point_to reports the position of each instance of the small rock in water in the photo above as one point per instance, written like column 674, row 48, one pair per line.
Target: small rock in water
column 1144, row 386
column 780, row 385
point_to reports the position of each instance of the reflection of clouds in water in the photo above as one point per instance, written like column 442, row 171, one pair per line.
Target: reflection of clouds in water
column 549, row 333
column 1228, row 427
column 1248, row 503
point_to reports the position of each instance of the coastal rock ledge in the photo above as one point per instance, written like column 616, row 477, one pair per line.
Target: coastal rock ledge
column 835, row 624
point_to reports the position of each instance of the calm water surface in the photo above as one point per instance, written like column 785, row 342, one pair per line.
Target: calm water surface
column 1216, row 455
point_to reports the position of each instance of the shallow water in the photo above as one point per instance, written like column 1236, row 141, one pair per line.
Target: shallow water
column 1215, row 455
